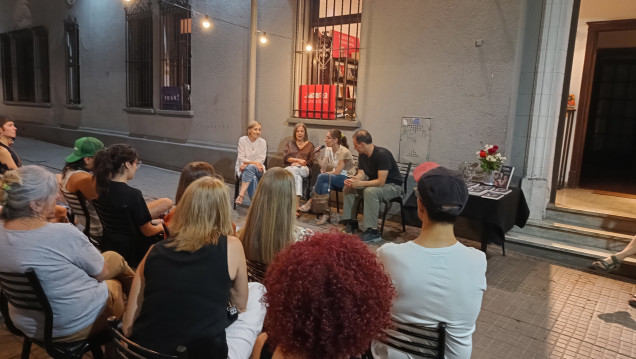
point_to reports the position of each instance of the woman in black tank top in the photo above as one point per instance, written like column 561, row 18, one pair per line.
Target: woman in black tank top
column 186, row 281
column 9, row 160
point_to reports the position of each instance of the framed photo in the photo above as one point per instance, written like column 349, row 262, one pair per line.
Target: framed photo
column 502, row 180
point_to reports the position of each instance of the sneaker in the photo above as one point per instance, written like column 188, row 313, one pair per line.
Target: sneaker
column 351, row 227
column 371, row 236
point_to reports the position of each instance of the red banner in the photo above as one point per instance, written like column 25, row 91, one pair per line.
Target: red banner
column 343, row 44
column 318, row 101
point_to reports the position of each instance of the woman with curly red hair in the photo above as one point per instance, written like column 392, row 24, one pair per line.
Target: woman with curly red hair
column 327, row 297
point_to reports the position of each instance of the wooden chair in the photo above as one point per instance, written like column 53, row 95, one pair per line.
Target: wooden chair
column 404, row 171
column 77, row 203
column 420, row 341
column 24, row 291
column 127, row 349
column 237, row 183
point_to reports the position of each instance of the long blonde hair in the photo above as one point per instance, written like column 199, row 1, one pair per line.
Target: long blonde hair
column 271, row 219
column 201, row 216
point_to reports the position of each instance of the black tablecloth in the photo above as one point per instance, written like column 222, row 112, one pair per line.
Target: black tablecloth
column 499, row 216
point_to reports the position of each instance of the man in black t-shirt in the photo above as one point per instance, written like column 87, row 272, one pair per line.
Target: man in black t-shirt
column 383, row 182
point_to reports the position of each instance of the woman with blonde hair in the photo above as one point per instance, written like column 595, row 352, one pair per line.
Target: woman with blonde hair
column 271, row 222
column 192, row 276
column 250, row 162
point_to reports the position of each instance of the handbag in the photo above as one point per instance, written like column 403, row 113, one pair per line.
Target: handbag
column 320, row 202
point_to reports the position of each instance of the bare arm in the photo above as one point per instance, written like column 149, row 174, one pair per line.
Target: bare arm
column 5, row 157
column 357, row 182
column 150, row 229
column 135, row 298
column 237, row 269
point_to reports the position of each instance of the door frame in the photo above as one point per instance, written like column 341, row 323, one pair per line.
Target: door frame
column 589, row 64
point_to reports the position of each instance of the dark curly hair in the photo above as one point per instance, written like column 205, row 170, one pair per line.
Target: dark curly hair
column 110, row 161
column 327, row 297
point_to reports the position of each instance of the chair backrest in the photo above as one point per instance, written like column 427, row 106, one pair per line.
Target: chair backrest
column 405, row 169
column 423, row 342
column 127, row 349
column 24, row 291
column 78, row 205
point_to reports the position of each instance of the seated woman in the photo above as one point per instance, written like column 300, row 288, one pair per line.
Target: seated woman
column 327, row 297
column 191, row 172
column 183, row 285
column 250, row 162
column 298, row 156
column 270, row 225
column 76, row 278
column 113, row 167
column 77, row 176
column 335, row 167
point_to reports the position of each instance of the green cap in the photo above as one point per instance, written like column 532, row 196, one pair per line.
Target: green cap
column 85, row 147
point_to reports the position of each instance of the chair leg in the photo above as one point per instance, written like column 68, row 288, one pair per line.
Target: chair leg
column 97, row 352
column 402, row 212
column 26, row 348
column 237, row 183
column 337, row 203
column 386, row 209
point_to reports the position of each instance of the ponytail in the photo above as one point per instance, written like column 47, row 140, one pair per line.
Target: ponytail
column 342, row 139
column 109, row 162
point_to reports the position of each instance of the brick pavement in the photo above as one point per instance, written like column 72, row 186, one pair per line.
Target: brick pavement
column 533, row 308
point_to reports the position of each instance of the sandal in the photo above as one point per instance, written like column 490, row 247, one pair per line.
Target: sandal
column 305, row 207
column 325, row 218
column 239, row 199
column 632, row 301
column 601, row 264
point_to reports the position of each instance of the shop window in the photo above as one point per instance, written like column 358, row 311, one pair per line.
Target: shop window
column 326, row 58
column 71, row 38
column 25, row 65
column 176, row 55
column 139, row 55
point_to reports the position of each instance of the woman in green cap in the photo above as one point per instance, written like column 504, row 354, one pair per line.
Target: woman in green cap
column 77, row 177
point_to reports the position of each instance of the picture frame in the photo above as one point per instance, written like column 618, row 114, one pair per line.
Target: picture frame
column 502, row 179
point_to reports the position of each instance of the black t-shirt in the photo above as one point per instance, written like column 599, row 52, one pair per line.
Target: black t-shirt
column 126, row 208
column 381, row 160
column 3, row 166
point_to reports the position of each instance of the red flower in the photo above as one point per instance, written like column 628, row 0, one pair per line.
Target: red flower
column 491, row 151
column 482, row 154
column 495, row 147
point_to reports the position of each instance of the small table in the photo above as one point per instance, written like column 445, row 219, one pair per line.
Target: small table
column 497, row 216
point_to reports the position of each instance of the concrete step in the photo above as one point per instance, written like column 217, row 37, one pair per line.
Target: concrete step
column 576, row 235
column 606, row 222
column 572, row 254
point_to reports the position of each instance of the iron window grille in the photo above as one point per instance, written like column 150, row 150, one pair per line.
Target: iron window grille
column 25, row 65
column 139, row 55
column 71, row 37
column 176, row 54
column 326, row 77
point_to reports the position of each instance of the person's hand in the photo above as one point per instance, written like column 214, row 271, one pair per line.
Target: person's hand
column 302, row 162
column 259, row 166
column 353, row 182
column 242, row 167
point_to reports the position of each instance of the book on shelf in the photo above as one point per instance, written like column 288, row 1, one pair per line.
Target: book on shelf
column 479, row 190
column 492, row 195
column 502, row 179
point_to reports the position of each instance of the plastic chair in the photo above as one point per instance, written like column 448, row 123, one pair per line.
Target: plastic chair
column 127, row 349
column 417, row 340
column 24, row 291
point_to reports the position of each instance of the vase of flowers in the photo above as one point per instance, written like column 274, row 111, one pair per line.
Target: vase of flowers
column 490, row 161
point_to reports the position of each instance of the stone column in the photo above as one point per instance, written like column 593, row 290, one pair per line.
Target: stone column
column 546, row 102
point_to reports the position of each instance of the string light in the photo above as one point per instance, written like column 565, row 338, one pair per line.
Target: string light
column 308, row 47
column 263, row 38
column 206, row 22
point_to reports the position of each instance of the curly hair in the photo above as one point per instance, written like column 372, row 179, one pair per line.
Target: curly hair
column 327, row 297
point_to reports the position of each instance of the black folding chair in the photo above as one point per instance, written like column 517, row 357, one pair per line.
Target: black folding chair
column 417, row 340
column 404, row 171
column 127, row 349
column 24, row 291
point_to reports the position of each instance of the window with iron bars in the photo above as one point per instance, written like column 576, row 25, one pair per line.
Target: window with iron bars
column 139, row 55
column 25, row 65
column 176, row 54
column 326, row 59
column 71, row 37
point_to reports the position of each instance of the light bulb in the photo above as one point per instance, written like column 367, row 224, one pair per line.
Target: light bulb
column 206, row 22
column 263, row 38
column 308, row 47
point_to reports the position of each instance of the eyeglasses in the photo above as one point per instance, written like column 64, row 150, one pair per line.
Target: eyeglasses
column 328, row 138
column 138, row 163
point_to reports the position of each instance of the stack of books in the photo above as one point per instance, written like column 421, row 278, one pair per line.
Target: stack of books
column 486, row 191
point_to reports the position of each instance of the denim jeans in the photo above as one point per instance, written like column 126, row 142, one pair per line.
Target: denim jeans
column 251, row 174
column 322, row 182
